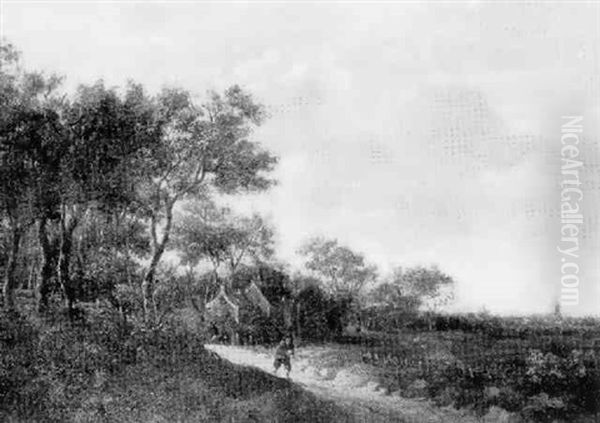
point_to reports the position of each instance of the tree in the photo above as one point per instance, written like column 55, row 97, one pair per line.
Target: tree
column 26, row 116
column 87, row 166
column 206, row 231
column 390, row 294
column 344, row 271
column 202, row 234
column 107, row 249
column 251, row 238
column 203, row 149
column 215, row 234
column 429, row 285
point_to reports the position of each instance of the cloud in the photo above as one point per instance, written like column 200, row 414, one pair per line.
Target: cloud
column 414, row 133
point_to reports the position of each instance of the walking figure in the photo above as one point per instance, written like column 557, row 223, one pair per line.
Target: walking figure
column 284, row 350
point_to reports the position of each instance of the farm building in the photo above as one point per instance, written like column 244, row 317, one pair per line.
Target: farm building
column 231, row 311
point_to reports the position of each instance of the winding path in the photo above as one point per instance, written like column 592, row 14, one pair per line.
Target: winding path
column 366, row 403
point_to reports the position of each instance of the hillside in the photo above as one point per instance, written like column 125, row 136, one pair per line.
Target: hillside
column 93, row 371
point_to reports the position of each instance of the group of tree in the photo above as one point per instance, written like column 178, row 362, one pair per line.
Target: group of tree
column 356, row 291
column 96, row 185
column 97, row 174
column 418, row 286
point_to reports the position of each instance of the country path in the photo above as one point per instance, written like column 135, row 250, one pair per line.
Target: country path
column 364, row 401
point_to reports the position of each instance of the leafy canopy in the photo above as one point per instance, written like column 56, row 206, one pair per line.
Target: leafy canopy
column 344, row 271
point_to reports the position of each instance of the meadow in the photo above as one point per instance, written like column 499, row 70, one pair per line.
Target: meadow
column 543, row 368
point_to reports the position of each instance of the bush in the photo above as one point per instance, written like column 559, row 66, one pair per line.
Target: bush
column 260, row 329
column 322, row 317
column 46, row 371
column 573, row 379
column 19, row 375
column 387, row 318
column 543, row 408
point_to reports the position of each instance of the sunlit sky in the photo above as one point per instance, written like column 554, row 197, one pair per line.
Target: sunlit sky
column 414, row 133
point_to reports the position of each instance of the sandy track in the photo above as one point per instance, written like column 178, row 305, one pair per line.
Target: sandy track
column 364, row 401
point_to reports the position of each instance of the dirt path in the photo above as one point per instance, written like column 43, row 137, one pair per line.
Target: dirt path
column 358, row 395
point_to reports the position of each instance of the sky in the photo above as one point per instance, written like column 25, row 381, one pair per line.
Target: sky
column 415, row 133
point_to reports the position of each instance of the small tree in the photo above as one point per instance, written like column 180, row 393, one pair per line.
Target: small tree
column 344, row 271
column 208, row 232
column 430, row 285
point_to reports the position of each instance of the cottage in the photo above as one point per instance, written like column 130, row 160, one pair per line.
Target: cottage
column 222, row 307
column 230, row 307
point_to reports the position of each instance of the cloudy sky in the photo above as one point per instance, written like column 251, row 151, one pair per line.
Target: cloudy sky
column 415, row 133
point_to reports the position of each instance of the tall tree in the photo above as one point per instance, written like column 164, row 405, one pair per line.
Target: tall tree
column 204, row 148
column 344, row 271
column 103, row 136
column 26, row 117
column 87, row 162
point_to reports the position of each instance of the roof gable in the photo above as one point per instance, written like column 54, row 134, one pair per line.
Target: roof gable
column 222, row 304
column 255, row 295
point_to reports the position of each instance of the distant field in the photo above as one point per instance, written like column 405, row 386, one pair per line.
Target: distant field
column 544, row 369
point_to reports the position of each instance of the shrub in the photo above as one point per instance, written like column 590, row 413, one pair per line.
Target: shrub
column 572, row 379
column 543, row 408
column 18, row 371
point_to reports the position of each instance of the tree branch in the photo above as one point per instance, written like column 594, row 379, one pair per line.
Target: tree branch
column 153, row 230
column 199, row 176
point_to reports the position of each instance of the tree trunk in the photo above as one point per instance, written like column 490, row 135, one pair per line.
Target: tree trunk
column 199, row 307
column 10, row 281
column 64, row 260
column 298, row 327
column 157, row 252
column 45, row 267
column 30, row 279
column 148, row 284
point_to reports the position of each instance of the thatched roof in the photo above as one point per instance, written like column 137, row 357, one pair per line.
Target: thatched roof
column 229, row 304
column 222, row 305
column 255, row 295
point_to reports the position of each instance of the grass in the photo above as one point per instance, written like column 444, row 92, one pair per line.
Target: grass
column 555, row 377
column 207, row 392
column 55, row 371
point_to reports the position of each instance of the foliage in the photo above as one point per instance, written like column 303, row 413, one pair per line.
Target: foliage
column 274, row 283
column 395, row 302
column 96, row 169
column 208, row 232
column 107, row 250
column 203, row 148
column 542, row 368
column 505, row 327
column 429, row 285
column 18, row 372
column 28, row 118
column 256, row 328
column 48, row 368
column 344, row 271
column 390, row 318
column 321, row 315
